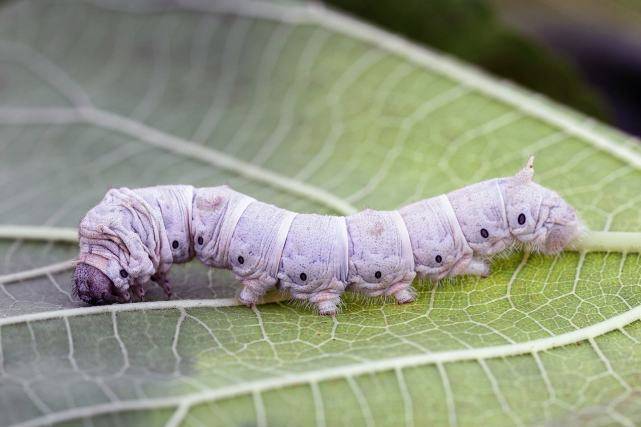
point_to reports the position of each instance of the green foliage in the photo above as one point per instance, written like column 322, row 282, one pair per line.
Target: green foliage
column 470, row 29
column 92, row 97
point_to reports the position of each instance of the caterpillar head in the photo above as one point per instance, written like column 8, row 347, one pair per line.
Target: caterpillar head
column 118, row 248
column 100, row 278
column 94, row 287
column 538, row 216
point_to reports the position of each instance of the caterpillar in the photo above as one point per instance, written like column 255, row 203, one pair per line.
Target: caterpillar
column 134, row 236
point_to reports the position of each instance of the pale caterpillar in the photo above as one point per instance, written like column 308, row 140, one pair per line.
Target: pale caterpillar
column 134, row 236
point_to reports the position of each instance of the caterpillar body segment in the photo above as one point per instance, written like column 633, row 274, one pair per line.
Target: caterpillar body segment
column 480, row 211
column 314, row 263
column 438, row 243
column 134, row 236
column 216, row 212
column 255, row 248
column 381, row 261
column 173, row 205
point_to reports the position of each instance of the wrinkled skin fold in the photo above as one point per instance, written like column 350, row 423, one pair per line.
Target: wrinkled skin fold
column 134, row 236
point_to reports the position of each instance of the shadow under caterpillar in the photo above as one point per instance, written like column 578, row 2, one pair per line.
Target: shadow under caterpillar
column 134, row 236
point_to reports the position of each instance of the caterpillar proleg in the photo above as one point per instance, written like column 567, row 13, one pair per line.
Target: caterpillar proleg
column 134, row 236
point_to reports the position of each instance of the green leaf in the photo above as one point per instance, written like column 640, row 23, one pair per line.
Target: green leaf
column 308, row 109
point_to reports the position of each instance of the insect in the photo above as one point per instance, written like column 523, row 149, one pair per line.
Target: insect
column 134, row 236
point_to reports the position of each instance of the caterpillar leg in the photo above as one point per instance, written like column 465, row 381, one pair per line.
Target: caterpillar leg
column 253, row 290
column 163, row 281
column 477, row 267
column 138, row 290
column 328, row 299
column 326, row 303
column 403, row 290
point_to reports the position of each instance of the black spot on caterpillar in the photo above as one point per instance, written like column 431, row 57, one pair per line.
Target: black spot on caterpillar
column 134, row 236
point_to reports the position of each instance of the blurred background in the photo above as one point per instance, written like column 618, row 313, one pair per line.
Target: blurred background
column 592, row 48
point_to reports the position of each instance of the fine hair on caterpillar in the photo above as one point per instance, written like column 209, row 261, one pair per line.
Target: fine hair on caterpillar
column 134, row 236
